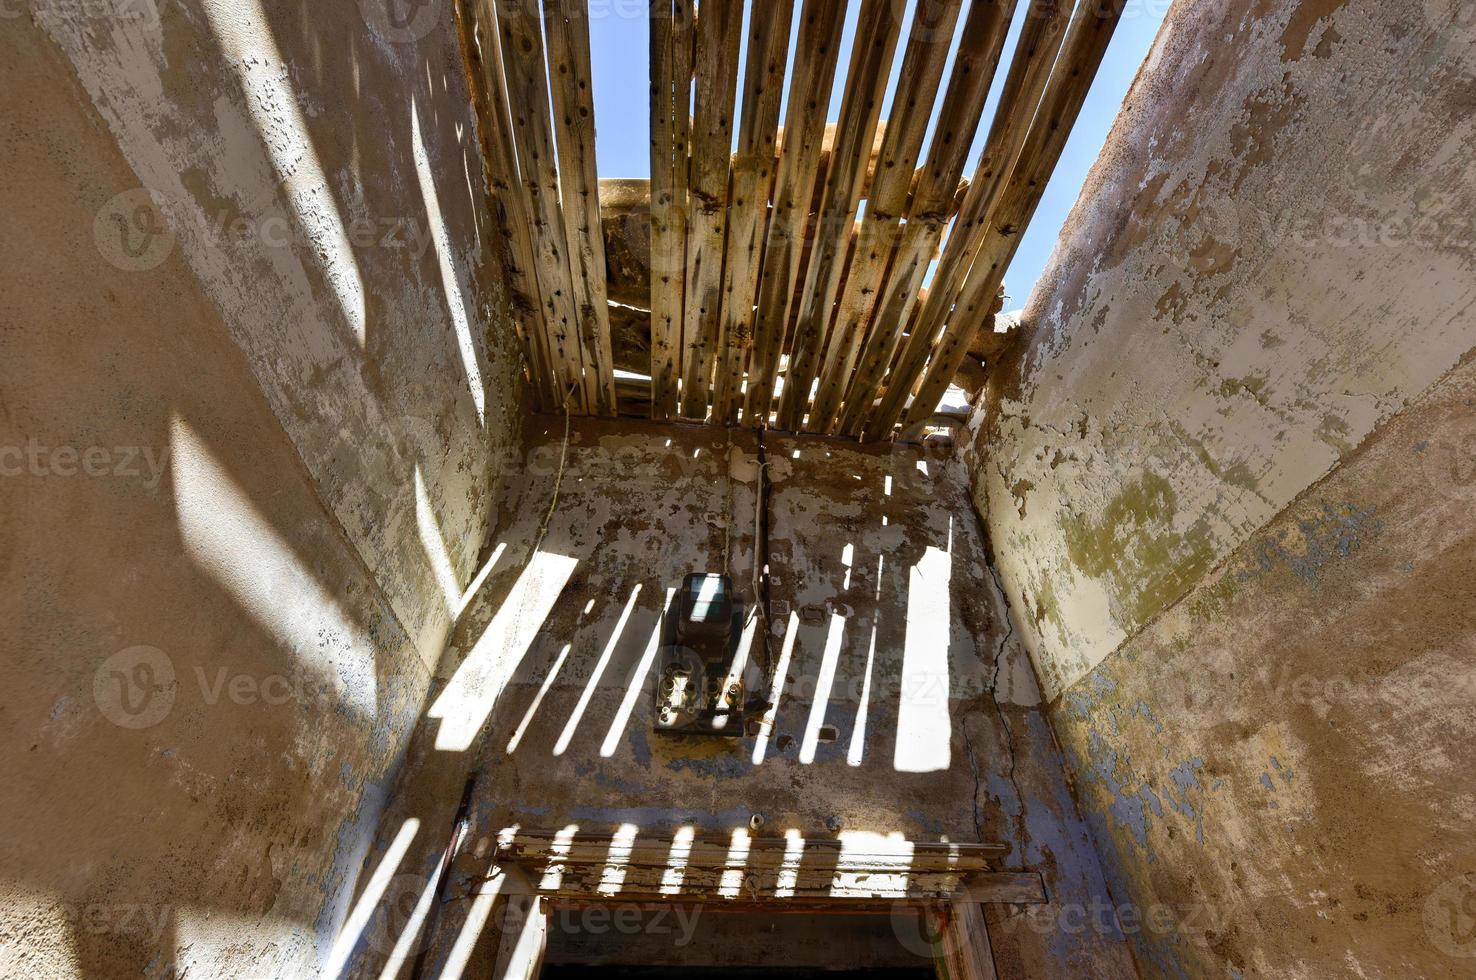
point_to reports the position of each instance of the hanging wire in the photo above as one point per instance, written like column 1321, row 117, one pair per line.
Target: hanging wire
column 558, row 480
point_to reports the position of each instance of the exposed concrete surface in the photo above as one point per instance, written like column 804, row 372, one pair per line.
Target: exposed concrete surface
column 317, row 168
column 1283, row 761
column 863, row 543
column 210, row 668
column 1273, row 255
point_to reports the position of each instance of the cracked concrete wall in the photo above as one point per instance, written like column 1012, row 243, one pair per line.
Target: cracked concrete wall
column 895, row 634
column 1228, row 478
column 1271, row 258
column 224, row 594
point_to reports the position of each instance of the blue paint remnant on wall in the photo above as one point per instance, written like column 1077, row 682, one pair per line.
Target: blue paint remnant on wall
column 719, row 767
column 1078, row 704
column 622, row 785
column 1151, row 798
column 353, row 839
column 1185, row 777
column 1333, row 535
column 928, row 822
column 640, row 746
column 1140, row 709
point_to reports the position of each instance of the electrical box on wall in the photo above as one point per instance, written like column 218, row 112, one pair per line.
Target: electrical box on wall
column 702, row 677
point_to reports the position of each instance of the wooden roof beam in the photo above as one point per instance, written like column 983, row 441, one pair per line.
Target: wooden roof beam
column 532, row 133
column 719, row 31
column 1071, row 80
column 754, row 167
column 894, row 251
column 566, row 24
column 508, row 204
column 1036, row 53
column 817, row 52
column 877, row 33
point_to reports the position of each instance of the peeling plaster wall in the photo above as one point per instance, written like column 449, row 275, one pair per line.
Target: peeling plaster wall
column 218, row 603
column 1273, row 256
column 546, row 693
column 1228, row 477
column 1283, row 761
column 317, row 168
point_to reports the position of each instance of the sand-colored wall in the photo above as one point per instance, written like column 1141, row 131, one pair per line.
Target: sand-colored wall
column 1228, row 478
column 1284, row 758
column 223, row 595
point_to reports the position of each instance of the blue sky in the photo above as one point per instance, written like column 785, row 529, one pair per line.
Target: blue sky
column 621, row 49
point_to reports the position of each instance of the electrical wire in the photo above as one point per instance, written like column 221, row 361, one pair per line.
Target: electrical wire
column 558, row 480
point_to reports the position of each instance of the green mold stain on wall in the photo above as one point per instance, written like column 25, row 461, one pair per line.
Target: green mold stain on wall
column 1133, row 548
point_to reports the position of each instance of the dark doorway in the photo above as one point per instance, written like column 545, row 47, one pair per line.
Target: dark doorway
column 724, row 973
column 677, row 943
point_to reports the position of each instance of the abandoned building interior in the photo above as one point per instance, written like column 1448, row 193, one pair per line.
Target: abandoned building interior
column 424, row 554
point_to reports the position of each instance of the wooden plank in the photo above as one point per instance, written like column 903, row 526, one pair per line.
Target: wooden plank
column 524, row 940
column 962, row 950
column 985, row 888
column 917, row 89
column 566, row 23
column 877, row 31
column 817, row 52
column 1071, row 80
column 510, row 207
column 754, row 167
column 980, row 51
column 671, row 92
column 719, row 33
column 1035, row 57
column 532, row 129
column 540, row 847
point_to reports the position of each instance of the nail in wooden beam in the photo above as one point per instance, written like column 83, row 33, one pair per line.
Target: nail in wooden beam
column 671, row 94
column 719, row 32
column 1071, row 80
column 532, row 129
column 754, row 167
column 921, row 75
column 817, row 51
column 1036, row 53
column 877, row 32
column 566, row 23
